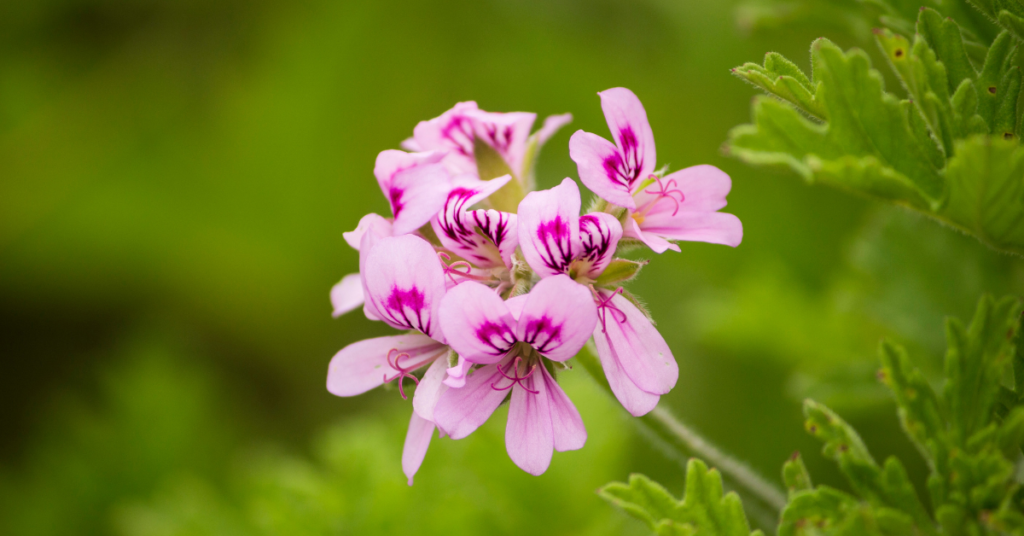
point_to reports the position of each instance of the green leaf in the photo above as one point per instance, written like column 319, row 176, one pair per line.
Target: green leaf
column 795, row 475
column 975, row 361
column 785, row 80
column 704, row 510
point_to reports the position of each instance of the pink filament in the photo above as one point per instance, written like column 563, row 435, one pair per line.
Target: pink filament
column 402, row 372
column 668, row 190
column 604, row 304
column 515, row 378
column 454, row 267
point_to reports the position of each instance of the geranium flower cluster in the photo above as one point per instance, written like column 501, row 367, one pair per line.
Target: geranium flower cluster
column 497, row 286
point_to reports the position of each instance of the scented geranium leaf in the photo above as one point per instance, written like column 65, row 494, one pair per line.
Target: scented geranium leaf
column 864, row 123
column 795, row 475
column 704, row 511
column 975, row 361
column 886, row 486
column 919, row 409
column 943, row 36
column 827, row 511
column 782, row 78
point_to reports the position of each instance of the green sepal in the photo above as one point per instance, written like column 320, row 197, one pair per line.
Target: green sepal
column 619, row 271
column 705, row 509
column 490, row 165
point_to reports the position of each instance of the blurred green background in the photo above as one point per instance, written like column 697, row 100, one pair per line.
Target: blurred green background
column 175, row 179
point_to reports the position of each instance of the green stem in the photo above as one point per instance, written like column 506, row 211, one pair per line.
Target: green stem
column 685, row 441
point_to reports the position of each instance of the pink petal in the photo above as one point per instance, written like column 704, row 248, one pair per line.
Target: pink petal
column 599, row 236
column 558, row 318
column 456, row 376
column 552, row 124
column 363, row 365
column 506, row 133
column 409, row 144
column 704, row 188
column 628, row 336
column 404, row 282
column 713, row 227
column 549, row 232
column 500, row 228
column 627, row 121
column 636, row 401
column 417, row 440
column 598, row 162
column 453, row 132
column 377, row 226
column 346, row 295
column 459, row 412
column 415, row 184
column 477, row 323
column 528, row 434
column 429, row 389
column 566, row 423
column 460, row 231
column 656, row 243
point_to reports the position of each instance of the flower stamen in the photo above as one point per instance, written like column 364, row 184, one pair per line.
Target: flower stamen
column 667, row 189
column 604, row 305
column 402, row 372
column 515, row 378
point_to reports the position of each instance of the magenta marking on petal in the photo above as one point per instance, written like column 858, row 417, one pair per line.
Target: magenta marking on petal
column 451, row 216
column 498, row 336
column 395, row 196
column 595, row 237
column 515, row 378
column 403, row 373
column 495, row 229
column 499, row 137
column 537, row 327
column 624, row 168
column 555, row 233
column 402, row 301
column 459, row 131
column 604, row 304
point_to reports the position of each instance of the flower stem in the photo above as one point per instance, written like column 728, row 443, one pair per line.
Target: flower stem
column 683, row 441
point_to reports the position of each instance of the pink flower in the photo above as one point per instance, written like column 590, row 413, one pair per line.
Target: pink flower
column 347, row 295
column 680, row 206
column 637, row 362
column 457, row 130
column 485, row 238
column 555, row 239
column 403, row 281
column 511, row 339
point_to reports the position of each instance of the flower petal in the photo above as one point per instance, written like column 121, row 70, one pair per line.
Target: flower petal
column 453, row 132
column 363, row 365
column 416, row 185
column 599, row 235
column 627, row 121
column 598, row 162
column 477, row 323
column 636, row 401
column 638, row 347
column 417, row 440
column 566, row 424
column 460, row 231
column 374, row 224
column 429, row 389
column 683, row 205
column 657, row 244
column 347, row 294
column 404, row 282
column 549, row 233
column 528, row 435
column 506, row 133
column 459, row 412
column 456, row 376
column 712, row 227
column 558, row 318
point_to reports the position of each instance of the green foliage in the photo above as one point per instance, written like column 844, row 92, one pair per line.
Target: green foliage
column 703, row 511
column 950, row 150
column 966, row 436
